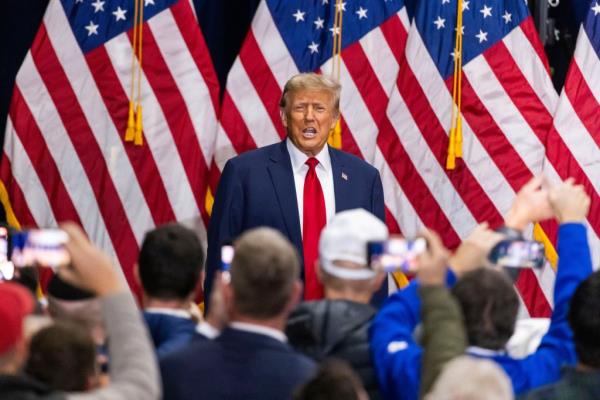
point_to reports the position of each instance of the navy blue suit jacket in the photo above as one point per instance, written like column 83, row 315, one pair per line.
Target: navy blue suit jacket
column 236, row 365
column 257, row 189
column 169, row 332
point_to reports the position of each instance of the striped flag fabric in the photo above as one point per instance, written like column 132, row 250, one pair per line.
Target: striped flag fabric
column 396, row 105
column 572, row 148
column 65, row 157
column 507, row 105
column 287, row 37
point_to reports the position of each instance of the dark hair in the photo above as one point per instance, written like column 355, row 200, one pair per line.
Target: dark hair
column 584, row 318
column 489, row 304
column 59, row 289
column 62, row 356
column 170, row 262
column 334, row 380
column 263, row 272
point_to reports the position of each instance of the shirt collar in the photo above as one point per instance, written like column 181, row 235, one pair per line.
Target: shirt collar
column 482, row 352
column 259, row 329
column 207, row 330
column 169, row 311
column 298, row 158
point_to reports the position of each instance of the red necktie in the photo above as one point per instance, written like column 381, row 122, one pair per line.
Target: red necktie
column 314, row 220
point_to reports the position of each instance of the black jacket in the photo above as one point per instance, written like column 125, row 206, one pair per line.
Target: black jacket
column 25, row 388
column 335, row 329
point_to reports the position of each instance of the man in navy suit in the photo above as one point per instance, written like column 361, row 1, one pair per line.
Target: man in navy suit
column 294, row 186
column 250, row 359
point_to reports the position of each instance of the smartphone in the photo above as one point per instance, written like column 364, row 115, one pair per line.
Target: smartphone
column 395, row 254
column 518, row 254
column 227, row 253
column 39, row 247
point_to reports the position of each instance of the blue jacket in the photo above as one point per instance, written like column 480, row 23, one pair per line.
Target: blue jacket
column 257, row 189
column 235, row 365
column 169, row 332
column 397, row 357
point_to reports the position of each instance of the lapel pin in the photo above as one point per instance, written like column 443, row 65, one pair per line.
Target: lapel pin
column 344, row 176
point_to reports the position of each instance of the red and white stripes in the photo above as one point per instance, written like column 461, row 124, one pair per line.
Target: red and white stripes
column 64, row 150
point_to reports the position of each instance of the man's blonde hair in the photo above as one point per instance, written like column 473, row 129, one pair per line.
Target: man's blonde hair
column 311, row 81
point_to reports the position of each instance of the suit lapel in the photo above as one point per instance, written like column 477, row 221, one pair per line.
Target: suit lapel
column 341, row 182
column 282, row 177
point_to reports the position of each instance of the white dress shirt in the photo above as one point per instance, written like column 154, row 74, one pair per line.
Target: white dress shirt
column 203, row 327
column 324, row 173
column 259, row 329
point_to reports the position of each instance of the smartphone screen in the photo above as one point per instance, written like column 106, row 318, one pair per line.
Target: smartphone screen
column 39, row 247
column 227, row 253
column 518, row 254
column 226, row 257
column 7, row 269
column 395, row 254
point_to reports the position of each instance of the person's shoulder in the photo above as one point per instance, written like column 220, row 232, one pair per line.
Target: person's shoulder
column 303, row 365
column 251, row 157
column 557, row 390
column 195, row 352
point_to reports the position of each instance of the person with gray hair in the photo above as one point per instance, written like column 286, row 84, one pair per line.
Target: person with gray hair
column 250, row 359
column 338, row 325
column 471, row 378
column 297, row 185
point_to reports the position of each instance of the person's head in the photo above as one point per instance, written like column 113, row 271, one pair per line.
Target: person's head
column 310, row 108
column 584, row 320
column 170, row 263
column 264, row 276
column 490, row 305
column 343, row 266
column 16, row 303
column 63, row 356
column 334, row 380
column 470, row 378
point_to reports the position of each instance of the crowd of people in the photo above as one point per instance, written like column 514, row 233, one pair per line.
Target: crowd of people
column 301, row 311
column 443, row 336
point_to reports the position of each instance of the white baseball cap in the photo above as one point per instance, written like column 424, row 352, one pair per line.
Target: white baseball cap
column 345, row 239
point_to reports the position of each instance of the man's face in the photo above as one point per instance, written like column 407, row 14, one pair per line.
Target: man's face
column 308, row 118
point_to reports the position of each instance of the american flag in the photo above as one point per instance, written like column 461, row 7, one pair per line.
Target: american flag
column 572, row 144
column 396, row 105
column 65, row 157
column 287, row 37
column 507, row 103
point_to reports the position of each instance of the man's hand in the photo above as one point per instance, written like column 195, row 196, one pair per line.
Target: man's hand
column 473, row 251
column 432, row 264
column 530, row 205
column 90, row 268
column 569, row 202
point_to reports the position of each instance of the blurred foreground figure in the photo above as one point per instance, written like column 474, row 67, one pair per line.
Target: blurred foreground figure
column 470, row 378
column 133, row 372
column 333, row 381
column 580, row 382
column 250, row 359
column 489, row 304
column 338, row 326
